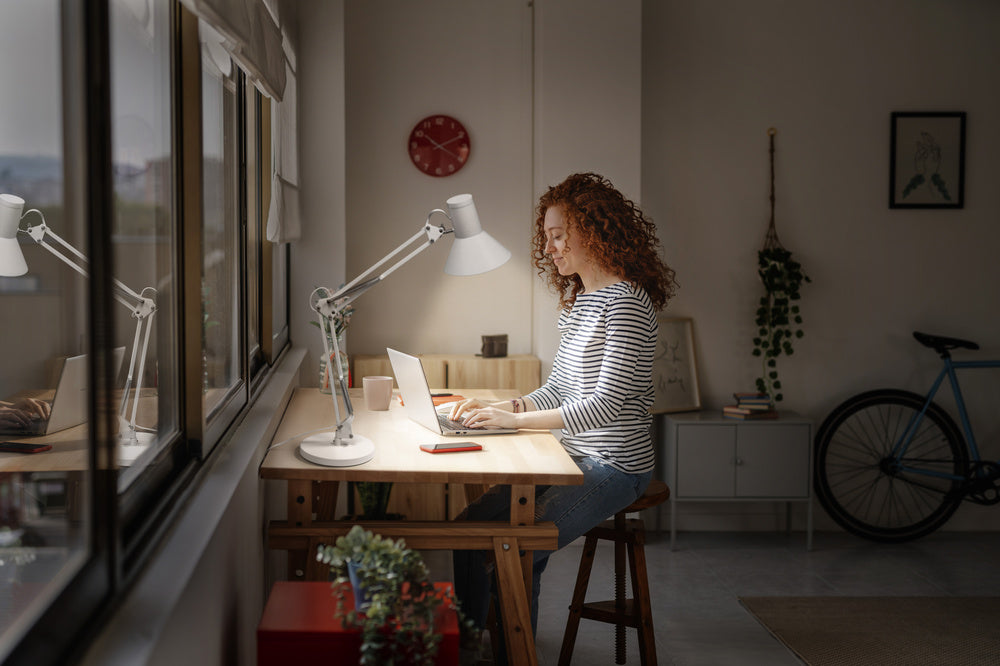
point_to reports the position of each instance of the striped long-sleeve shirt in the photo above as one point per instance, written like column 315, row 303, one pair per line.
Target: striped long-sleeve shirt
column 601, row 380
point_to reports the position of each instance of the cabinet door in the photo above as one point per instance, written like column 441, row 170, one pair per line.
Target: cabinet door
column 773, row 460
column 517, row 372
column 705, row 457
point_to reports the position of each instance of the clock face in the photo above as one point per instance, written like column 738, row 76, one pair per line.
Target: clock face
column 439, row 146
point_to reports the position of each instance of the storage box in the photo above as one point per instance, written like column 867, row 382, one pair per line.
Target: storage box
column 300, row 626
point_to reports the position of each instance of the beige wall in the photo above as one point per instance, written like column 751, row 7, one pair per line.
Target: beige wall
column 588, row 75
column 707, row 80
column 826, row 75
column 406, row 61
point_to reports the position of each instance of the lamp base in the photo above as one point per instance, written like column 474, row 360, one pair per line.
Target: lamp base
column 323, row 450
column 128, row 450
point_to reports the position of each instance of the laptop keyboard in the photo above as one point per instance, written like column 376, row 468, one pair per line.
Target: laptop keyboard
column 449, row 424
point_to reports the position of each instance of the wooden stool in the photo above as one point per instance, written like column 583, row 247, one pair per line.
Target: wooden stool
column 627, row 534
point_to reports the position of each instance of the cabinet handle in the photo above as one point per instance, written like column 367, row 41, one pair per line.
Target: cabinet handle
column 738, row 461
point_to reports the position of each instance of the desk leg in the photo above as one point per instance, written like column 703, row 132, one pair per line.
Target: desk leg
column 325, row 500
column 522, row 512
column 305, row 497
column 515, row 608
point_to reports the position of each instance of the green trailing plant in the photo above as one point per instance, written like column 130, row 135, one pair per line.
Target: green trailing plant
column 778, row 320
column 397, row 625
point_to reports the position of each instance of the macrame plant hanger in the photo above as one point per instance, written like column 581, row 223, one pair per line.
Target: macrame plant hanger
column 771, row 240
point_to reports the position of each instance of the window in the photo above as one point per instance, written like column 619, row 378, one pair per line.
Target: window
column 169, row 310
column 222, row 236
column 44, row 507
column 144, row 233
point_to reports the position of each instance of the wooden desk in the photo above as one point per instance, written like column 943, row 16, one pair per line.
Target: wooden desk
column 521, row 461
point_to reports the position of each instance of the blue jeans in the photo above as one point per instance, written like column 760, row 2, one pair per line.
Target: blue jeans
column 575, row 510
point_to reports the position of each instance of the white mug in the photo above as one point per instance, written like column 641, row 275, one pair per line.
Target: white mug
column 378, row 393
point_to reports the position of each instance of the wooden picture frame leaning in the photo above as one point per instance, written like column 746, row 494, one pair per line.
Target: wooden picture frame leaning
column 675, row 372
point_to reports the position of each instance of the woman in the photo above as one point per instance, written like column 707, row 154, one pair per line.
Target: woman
column 600, row 254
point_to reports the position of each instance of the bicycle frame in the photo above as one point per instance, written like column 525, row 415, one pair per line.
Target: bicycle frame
column 948, row 371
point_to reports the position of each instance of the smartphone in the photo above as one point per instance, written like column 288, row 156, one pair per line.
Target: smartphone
column 23, row 447
column 451, row 447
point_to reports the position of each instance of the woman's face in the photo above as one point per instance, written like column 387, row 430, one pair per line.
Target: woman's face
column 567, row 257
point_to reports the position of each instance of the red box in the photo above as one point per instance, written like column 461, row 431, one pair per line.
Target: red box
column 300, row 623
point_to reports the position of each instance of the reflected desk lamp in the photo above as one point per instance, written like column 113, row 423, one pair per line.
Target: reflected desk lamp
column 473, row 251
column 132, row 440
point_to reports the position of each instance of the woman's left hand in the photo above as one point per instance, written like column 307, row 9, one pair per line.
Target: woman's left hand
column 490, row 416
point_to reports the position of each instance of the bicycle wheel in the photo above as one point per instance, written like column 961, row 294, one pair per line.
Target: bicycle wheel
column 864, row 489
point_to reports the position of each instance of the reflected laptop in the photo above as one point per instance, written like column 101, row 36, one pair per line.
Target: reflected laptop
column 419, row 404
column 69, row 403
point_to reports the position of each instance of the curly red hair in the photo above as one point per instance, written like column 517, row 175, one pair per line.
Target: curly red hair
column 613, row 231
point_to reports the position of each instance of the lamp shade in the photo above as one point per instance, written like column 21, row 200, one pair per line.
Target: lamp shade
column 474, row 251
column 11, row 258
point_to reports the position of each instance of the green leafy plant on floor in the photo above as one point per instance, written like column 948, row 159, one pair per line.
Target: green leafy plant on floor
column 397, row 625
column 778, row 319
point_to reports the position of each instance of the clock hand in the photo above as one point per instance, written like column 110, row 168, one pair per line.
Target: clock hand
column 454, row 138
column 440, row 146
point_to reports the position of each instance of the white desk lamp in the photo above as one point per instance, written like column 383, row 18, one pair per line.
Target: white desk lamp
column 474, row 251
column 131, row 441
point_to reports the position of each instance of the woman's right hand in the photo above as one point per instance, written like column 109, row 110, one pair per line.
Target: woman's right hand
column 464, row 406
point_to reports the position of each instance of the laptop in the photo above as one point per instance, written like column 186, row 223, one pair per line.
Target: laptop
column 69, row 403
column 419, row 404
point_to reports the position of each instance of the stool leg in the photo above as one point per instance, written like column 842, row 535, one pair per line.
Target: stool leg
column 640, row 594
column 579, row 596
column 620, row 598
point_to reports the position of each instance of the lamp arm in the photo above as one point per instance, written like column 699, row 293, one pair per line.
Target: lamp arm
column 350, row 291
column 41, row 233
column 141, row 306
column 327, row 308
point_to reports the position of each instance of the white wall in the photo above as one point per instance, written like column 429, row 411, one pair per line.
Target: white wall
column 717, row 75
column 588, row 74
column 406, row 61
column 709, row 79
column 318, row 258
column 541, row 96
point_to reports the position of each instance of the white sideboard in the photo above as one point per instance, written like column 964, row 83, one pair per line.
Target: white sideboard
column 711, row 458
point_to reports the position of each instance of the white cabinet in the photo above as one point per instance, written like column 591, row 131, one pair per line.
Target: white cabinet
column 710, row 458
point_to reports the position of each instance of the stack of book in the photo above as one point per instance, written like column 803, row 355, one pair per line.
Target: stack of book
column 750, row 406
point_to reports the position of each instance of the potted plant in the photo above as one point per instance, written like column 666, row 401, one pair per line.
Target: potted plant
column 395, row 600
column 778, row 319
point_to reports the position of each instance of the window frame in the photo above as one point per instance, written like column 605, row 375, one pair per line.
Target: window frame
column 126, row 525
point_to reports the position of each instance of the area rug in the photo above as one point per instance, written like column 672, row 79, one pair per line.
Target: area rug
column 884, row 631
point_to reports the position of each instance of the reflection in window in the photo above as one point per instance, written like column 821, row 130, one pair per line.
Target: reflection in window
column 221, row 238
column 143, row 231
column 43, row 512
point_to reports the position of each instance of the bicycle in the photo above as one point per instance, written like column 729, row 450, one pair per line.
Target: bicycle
column 892, row 465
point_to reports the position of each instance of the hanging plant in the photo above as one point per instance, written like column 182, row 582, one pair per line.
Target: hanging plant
column 779, row 322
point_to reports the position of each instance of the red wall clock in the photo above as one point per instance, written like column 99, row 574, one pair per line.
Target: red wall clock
column 439, row 146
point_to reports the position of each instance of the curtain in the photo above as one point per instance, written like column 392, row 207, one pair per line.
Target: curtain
column 252, row 34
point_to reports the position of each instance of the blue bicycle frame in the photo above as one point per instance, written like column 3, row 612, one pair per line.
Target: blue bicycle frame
column 948, row 371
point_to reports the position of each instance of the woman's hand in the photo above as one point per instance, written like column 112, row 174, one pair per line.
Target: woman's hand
column 36, row 409
column 21, row 413
column 484, row 417
column 464, row 406
column 476, row 413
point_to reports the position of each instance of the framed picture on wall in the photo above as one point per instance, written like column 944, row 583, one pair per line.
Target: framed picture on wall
column 927, row 159
column 675, row 373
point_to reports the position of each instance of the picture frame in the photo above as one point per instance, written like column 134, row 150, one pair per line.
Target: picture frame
column 675, row 371
column 927, row 159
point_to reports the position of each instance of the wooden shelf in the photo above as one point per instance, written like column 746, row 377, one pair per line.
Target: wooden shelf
column 522, row 372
